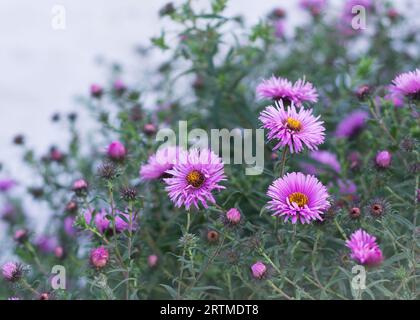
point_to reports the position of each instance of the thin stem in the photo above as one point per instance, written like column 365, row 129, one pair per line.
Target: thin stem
column 283, row 162
column 181, row 274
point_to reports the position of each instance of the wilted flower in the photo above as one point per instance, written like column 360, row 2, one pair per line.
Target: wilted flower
column 354, row 212
column 149, row 129
column 352, row 124
column 159, row 163
column 363, row 91
column 116, row 151
column 383, row 159
column 128, row 194
column 292, row 128
column 194, row 177
column 19, row 140
column 108, row 171
column 364, row 248
column 212, row 236
column 12, row 271
column 408, row 84
column 282, row 89
column 99, row 257
column 152, row 260
column 378, row 207
column 258, row 270
column 298, row 197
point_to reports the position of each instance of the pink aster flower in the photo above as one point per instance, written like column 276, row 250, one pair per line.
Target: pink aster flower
column 12, row 271
column 101, row 221
column 292, row 128
column 282, row 89
column 327, row 159
column 99, row 257
column 258, row 270
column 194, row 178
column 364, row 248
column 233, row 216
column 352, row 124
column 408, row 84
column 152, row 260
column 116, row 151
column 96, row 90
column 298, row 197
column 159, row 163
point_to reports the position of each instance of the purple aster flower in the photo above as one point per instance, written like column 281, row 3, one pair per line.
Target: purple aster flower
column 292, row 128
column 159, row 163
column 383, row 159
column 117, row 151
column 12, row 271
column 194, row 178
column 279, row 28
column 46, row 244
column 68, row 226
column 298, row 197
column 282, row 89
column 326, row 158
column 352, row 124
column 408, row 84
column 6, row 185
column 364, row 249
column 346, row 187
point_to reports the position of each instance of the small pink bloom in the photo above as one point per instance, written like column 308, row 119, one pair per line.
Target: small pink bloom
column 80, row 185
column 20, row 235
column 12, row 271
column 383, row 159
column 233, row 216
column 99, row 257
column 258, row 270
column 152, row 260
column 364, row 248
column 96, row 90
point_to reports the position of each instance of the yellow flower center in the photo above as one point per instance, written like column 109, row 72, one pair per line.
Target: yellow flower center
column 195, row 178
column 293, row 124
column 299, row 198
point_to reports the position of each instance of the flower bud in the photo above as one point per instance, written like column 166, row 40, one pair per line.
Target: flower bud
column 96, row 91
column 116, row 151
column 233, row 216
column 383, row 159
column 59, row 252
column 363, row 92
column 99, row 257
column 80, row 187
column 20, row 235
column 152, row 260
column 258, row 270
column 149, row 129
column 354, row 212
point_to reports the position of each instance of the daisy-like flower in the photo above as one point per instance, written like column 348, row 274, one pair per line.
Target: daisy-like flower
column 194, row 177
column 352, row 124
column 292, row 128
column 159, row 163
column 408, row 84
column 364, row 248
column 282, row 89
column 298, row 197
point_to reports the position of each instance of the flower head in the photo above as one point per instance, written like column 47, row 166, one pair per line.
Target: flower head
column 383, row 159
column 80, row 187
column 159, row 163
column 99, row 257
column 408, row 84
column 364, row 248
column 233, row 216
column 258, row 270
column 314, row 6
column 152, row 260
column 116, row 151
column 194, row 177
column 298, row 197
column 352, row 124
column 46, row 243
column 96, row 90
column 292, row 128
column 12, row 271
column 68, row 226
column 282, row 89
column 327, row 159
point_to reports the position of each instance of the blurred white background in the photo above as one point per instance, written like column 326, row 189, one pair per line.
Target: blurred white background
column 41, row 69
